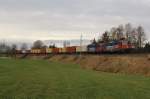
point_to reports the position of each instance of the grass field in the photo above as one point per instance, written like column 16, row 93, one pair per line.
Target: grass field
column 39, row 79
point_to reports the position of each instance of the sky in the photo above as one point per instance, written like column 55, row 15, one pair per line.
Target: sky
column 68, row 19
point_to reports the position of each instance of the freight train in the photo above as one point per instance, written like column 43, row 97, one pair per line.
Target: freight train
column 113, row 46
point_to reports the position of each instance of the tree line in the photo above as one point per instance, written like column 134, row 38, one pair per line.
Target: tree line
column 11, row 49
column 134, row 35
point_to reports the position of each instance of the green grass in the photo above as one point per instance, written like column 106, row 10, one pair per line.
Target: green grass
column 39, row 79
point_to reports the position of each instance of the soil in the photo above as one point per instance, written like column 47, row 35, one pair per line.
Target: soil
column 128, row 64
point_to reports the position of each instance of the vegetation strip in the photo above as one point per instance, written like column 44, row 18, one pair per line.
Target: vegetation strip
column 42, row 79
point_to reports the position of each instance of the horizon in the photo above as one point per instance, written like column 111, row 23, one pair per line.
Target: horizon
column 58, row 43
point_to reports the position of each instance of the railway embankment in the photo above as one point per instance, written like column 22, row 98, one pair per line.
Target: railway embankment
column 126, row 64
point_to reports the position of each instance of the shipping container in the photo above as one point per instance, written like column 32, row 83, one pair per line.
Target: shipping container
column 35, row 51
column 55, row 50
column 81, row 49
column 78, row 49
column 71, row 49
column 48, row 50
column 64, row 50
column 60, row 50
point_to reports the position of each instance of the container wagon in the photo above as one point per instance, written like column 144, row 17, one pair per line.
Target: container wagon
column 71, row 50
column 48, row 50
column 55, row 50
column 81, row 49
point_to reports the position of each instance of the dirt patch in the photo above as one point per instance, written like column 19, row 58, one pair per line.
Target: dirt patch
column 130, row 64
column 148, row 56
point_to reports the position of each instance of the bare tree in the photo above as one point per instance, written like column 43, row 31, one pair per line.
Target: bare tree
column 52, row 46
column 120, row 32
column 113, row 31
column 4, row 48
column 94, row 41
column 14, row 47
column 133, row 37
column 38, row 44
column 105, row 36
column 13, row 50
column 24, row 46
column 141, row 36
column 66, row 43
column 44, row 46
column 128, row 31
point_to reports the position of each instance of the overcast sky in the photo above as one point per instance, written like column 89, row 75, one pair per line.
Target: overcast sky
column 67, row 19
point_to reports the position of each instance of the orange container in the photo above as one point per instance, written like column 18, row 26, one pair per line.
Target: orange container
column 55, row 50
column 71, row 49
column 60, row 50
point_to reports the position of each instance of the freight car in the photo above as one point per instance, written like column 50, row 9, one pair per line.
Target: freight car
column 55, row 50
column 81, row 49
column 64, row 50
column 71, row 50
column 35, row 51
column 48, row 50
column 94, row 48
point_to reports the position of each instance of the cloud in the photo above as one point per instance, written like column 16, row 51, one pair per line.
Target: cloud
column 63, row 19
